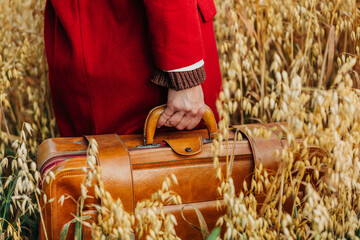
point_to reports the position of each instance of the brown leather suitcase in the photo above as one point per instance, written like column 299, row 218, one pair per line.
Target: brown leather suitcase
column 132, row 170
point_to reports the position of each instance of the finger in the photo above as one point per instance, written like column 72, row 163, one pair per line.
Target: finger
column 174, row 119
column 198, row 117
column 185, row 121
column 188, row 122
column 191, row 119
column 194, row 123
column 164, row 117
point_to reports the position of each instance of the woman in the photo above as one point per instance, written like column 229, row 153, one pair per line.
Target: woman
column 111, row 61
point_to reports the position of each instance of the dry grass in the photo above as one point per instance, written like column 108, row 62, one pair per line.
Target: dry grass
column 23, row 98
column 148, row 220
column 294, row 61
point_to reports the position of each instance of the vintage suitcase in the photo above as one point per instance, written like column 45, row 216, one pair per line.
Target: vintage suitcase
column 132, row 170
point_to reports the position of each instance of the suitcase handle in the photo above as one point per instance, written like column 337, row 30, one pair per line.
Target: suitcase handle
column 154, row 115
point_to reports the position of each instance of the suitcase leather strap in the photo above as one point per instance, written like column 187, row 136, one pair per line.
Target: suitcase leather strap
column 264, row 149
column 113, row 157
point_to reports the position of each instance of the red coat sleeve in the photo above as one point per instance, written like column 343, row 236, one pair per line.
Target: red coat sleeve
column 175, row 32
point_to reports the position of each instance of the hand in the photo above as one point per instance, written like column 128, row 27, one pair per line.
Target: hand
column 184, row 109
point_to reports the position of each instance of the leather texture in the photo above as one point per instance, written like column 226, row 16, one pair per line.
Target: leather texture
column 119, row 182
column 269, row 155
column 132, row 172
column 194, row 145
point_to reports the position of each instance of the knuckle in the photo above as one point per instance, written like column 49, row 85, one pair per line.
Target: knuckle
column 173, row 106
column 194, row 112
column 187, row 108
column 172, row 122
column 168, row 112
column 202, row 111
column 164, row 116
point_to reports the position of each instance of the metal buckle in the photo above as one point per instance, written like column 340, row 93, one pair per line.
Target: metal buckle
column 147, row 146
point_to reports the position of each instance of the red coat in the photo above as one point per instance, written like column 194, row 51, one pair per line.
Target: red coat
column 102, row 53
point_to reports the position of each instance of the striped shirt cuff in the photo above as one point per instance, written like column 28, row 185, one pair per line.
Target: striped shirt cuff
column 179, row 80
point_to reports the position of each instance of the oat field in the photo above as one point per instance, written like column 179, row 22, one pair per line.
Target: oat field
column 291, row 61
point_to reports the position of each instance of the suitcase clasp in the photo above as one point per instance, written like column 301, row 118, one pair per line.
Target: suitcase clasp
column 147, row 146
